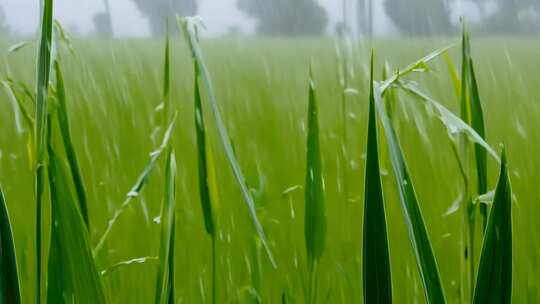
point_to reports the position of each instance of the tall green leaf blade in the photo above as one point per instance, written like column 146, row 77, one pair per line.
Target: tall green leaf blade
column 165, row 277
column 9, row 278
column 418, row 235
column 375, row 255
column 494, row 280
column 315, row 218
column 72, row 273
column 42, row 90
column 63, row 122
column 200, row 128
column 189, row 27
column 167, row 78
column 43, row 76
column 465, row 57
column 477, row 123
column 471, row 110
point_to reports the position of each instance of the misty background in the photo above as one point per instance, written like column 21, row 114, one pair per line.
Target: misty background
column 143, row 18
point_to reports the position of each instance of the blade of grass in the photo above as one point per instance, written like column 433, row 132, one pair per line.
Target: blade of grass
column 477, row 123
column 63, row 122
column 494, row 280
column 315, row 217
column 138, row 186
column 135, row 261
column 377, row 281
column 9, row 278
column 72, row 273
column 165, row 277
column 204, row 192
column 190, row 28
column 200, row 128
column 418, row 235
column 42, row 88
column 167, row 78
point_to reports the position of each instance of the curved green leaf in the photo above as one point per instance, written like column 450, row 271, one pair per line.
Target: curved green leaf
column 375, row 255
column 494, row 280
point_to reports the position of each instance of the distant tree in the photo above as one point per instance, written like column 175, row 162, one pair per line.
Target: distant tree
column 286, row 17
column 4, row 29
column 103, row 21
column 506, row 20
column 103, row 24
column 420, row 17
column 158, row 10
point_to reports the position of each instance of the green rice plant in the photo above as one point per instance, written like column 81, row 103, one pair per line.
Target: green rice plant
column 377, row 281
column 461, row 132
column 42, row 91
column 9, row 278
column 417, row 230
column 165, row 277
column 494, row 280
column 190, row 27
column 63, row 122
column 72, row 273
column 138, row 186
column 204, row 189
column 467, row 153
column 315, row 217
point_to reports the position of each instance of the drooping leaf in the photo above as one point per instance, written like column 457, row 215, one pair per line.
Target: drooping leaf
column 9, row 278
column 190, row 28
column 139, row 184
column 315, row 217
column 418, row 235
column 72, row 273
column 165, row 277
column 375, row 255
column 453, row 123
column 494, row 280
column 63, row 122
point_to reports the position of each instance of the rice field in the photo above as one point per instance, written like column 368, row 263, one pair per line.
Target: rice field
column 114, row 97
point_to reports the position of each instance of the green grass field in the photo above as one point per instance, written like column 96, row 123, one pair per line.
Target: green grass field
column 113, row 89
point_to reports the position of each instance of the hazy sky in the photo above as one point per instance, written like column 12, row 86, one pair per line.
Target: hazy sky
column 219, row 15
